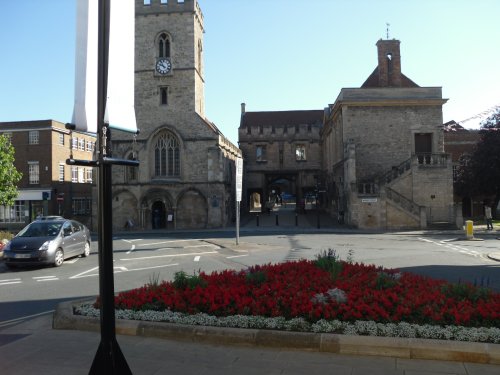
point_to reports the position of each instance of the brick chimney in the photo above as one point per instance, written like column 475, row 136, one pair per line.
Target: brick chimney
column 389, row 63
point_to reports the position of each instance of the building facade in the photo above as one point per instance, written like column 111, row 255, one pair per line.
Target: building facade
column 383, row 158
column 375, row 157
column 282, row 154
column 48, row 185
column 186, row 175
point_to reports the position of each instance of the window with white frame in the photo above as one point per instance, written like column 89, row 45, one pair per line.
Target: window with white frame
column 74, row 174
column 13, row 214
column 89, row 146
column 61, row 172
column 81, row 175
column 34, row 137
column 81, row 144
column 61, row 139
column 33, row 172
column 74, row 143
column 300, row 152
column 88, row 175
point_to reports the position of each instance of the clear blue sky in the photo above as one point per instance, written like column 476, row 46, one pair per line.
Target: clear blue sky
column 273, row 54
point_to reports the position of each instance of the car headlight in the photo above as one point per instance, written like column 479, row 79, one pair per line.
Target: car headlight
column 45, row 246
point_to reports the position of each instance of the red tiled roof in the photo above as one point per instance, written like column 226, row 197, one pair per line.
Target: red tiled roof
column 373, row 81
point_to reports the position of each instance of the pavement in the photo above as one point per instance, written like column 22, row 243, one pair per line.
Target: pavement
column 33, row 346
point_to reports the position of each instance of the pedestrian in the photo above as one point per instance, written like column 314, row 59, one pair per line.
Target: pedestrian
column 488, row 217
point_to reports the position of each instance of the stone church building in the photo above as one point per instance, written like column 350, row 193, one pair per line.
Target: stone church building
column 375, row 156
column 186, row 173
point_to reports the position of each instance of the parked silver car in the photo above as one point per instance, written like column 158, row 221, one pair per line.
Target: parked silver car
column 48, row 240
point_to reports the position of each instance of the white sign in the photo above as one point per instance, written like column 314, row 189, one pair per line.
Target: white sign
column 239, row 178
column 119, row 111
column 369, row 200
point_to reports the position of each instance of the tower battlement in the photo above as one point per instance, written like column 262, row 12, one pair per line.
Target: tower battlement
column 167, row 6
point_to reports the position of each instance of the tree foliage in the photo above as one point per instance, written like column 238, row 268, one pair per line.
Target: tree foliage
column 479, row 173
column 9, row 175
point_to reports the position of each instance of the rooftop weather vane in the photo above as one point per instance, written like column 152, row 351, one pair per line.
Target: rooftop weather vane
column 387, row 29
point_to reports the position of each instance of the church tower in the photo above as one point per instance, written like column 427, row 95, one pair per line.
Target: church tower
column 184, row 179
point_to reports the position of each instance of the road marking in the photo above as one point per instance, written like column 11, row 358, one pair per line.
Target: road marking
column 162, row 242
column 12, row 321
column 10, row 281
column 120, row 269
column 131, row 249
column 207, row 245
column 45, row 278
column 83, row 273
column 197, row 258
column 152, row 267
column 71, row 261
column 236, row 256
column 446, row 244
column 170, row 255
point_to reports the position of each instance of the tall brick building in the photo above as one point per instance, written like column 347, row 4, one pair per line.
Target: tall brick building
column 48, row 185
column 186, row 173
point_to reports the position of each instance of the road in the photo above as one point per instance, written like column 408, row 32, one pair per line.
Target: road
column 143, row 258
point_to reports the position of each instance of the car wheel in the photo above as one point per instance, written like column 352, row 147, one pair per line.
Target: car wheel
column 86, row 250
column 58, row 258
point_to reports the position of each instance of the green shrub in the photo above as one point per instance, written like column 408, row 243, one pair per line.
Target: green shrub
column 182, row 280
column 329, row 261
column 464, row 291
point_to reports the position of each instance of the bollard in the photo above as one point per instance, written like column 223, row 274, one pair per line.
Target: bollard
column 469, row 229
column 257, row 217
column 296, row 220
column 277, row 220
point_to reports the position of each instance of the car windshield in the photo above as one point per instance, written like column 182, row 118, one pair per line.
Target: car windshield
column 41, row 229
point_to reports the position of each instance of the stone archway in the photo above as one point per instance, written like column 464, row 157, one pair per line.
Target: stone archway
column 192, row 210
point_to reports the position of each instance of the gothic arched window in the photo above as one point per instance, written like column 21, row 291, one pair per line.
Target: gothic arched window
column 164, row 45
column 167, row 156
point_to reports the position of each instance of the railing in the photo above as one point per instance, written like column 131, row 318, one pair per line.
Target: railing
column 395, row 172
column 429, row 159
column 367, row 188
column 404, row 202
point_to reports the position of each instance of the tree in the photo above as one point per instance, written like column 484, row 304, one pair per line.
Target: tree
column 9, row 175
column 479, row 174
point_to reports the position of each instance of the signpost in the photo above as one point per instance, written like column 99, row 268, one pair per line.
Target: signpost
column 239, row 183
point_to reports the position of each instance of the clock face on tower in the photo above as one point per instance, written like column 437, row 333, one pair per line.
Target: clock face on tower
column 163, row 66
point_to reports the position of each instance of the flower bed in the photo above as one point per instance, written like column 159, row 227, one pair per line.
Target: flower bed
column 325, row 295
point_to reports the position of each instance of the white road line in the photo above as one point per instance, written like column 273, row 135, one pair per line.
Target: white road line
column 7, row 280
column 12, row 321
column 152, row 267
column 197, row 258
column 83, row 273
column 162, row 242
column 54, row 279
column 43, row 277
column 170, row 255
column 10, row 282
column 207, row 245
column 236, row 256
column 131, row 249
